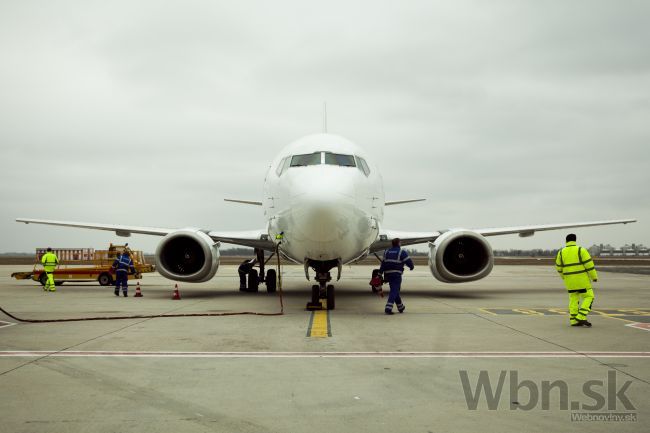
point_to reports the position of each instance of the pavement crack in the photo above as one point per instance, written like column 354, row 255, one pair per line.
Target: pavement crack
column 54, row 352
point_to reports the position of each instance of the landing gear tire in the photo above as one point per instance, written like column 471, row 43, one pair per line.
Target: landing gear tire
column 315, row 294
column 330, row 297
column 105, row 279
column 271, row 281
column 253, row 281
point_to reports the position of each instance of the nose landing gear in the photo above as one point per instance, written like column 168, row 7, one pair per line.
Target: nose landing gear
column 322, row 290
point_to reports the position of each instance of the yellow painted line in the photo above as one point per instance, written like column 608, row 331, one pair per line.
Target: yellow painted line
column 528, row 312
column 600, row 313
column 319, row 324
column 487, row 311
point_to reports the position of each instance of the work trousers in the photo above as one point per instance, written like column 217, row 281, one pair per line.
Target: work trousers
column 580, row 302
column 49, row 284
column 121, row 279
column 395, row 282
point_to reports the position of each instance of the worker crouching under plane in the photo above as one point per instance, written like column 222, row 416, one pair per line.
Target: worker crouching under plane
column 392, row 267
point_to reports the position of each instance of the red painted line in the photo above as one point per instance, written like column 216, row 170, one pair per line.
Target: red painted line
column 161, row 354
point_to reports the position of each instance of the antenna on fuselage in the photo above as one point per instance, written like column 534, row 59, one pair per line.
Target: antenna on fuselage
column 325, row 117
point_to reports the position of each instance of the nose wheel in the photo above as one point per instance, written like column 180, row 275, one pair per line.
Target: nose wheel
column 320, row 291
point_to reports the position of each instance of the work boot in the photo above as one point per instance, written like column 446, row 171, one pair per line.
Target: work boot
column 117, row 293
column 387, row 311
column 52, row 289
column 125, row 295
column 584, row 323
column 401, row 308
column 578, row 323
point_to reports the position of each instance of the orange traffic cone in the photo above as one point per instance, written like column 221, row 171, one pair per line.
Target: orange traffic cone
column 177, row 294
column 138, row 293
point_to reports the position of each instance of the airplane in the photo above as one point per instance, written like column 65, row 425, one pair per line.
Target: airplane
column 324, row 208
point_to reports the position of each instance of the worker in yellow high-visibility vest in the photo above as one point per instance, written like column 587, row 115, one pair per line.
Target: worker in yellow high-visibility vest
column 577, row 269
column 49, row 261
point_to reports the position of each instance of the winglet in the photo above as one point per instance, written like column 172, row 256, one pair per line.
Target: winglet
column 392, row 203
column 255, row 203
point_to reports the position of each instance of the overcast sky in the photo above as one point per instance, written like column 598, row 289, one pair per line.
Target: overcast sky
column 150, row 113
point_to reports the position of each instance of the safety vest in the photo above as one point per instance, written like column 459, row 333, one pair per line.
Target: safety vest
column 575, row 266
column 124, row 263
column 394, row 260
column 49, row 261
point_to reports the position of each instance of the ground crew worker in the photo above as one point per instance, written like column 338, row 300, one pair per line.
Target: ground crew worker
column 122, row 265
column 575, row 266
column 243, row 270
column 392, row 267
column 50, row 262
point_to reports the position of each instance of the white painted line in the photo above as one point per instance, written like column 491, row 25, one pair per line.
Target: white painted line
column 138, row 354
column 4, row 324
column 640, row 325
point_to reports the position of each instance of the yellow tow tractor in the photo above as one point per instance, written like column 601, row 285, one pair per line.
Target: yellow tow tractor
column 86, row 264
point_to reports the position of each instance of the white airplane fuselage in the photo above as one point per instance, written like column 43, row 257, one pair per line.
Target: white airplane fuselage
column 324, row 210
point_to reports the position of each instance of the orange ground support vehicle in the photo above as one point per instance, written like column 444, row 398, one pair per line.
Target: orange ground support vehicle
column 86, row 264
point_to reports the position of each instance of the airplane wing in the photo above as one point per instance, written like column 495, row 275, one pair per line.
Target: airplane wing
column 406, row 238
column 412, row 238
column 253, row 238
column 525, row 231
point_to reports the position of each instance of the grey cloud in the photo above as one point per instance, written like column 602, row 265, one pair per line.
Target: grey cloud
column 501, row 114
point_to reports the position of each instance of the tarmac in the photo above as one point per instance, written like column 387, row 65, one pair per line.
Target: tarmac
column 365, row 372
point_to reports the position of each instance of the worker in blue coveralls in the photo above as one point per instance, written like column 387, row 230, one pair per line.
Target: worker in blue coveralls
column 122, row 265
column 392, row 267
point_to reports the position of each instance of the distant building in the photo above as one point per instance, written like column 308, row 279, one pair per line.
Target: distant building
column 624, row 251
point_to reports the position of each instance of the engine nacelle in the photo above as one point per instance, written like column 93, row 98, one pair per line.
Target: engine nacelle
column 187, row 255
column 459, row 256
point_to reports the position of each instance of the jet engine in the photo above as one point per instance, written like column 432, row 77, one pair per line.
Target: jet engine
column 187, row 255
column 459, row 256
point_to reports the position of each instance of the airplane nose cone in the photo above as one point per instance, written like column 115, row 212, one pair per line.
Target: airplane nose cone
column 323, row 203
column 324, row 184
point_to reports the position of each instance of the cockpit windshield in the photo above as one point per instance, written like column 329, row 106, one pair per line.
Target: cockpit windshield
column 340, row 160
column 317, row 158
column 305, row 160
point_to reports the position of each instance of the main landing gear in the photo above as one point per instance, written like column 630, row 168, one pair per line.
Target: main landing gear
column 322, row 290
column 248, row 274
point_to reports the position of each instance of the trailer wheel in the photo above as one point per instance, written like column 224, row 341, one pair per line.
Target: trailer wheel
column 105, row 279
column 42, row 279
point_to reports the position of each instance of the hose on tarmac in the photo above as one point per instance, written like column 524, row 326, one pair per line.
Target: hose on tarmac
column 156, row 316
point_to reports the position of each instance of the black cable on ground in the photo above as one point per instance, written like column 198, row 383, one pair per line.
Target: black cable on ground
column 155, row 316
column 139, row 316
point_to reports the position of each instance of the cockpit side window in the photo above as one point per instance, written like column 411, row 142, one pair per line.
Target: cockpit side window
column 283, row 165
column 278, row 170
column 363, row 166
column 305, row 160
column 340, row 160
